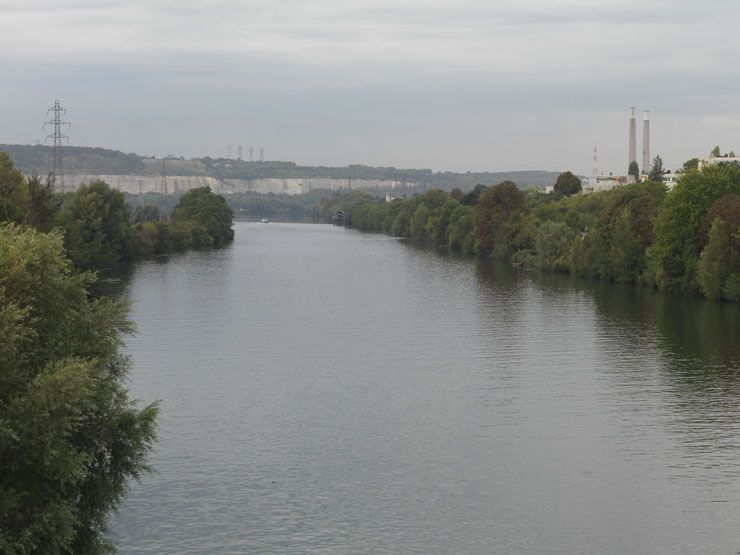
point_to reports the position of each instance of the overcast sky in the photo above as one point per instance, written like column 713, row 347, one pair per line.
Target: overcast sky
column 454, row 84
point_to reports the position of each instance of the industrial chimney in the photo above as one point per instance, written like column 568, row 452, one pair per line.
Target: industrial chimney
column 646, row 142
column 632, row 155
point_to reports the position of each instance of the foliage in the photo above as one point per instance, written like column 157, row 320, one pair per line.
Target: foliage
column 678, row 239
column 97, row 225
column 638, row 233
column 14, row 195
column 209, row 210
column 634, row 170
column 567, row 184
column 69, row 436
column 626, row 250
column 145, row 213
column 97, row 231
column 692, row 164
column 656, row 170
column 719, row 261
column 494, row 207
column 460, row 235
column 553, row 245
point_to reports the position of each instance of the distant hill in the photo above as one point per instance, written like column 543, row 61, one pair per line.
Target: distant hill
column 101, row 161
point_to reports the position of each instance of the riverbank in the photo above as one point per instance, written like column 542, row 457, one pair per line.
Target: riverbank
column 685, row 241
column 100, row 229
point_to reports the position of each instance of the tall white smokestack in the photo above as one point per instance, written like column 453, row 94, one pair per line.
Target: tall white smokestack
column 646, row 142
column 632, row 154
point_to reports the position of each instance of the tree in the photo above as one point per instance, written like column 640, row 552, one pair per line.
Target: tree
column 567, row 184
column 627, row 253
column 145, row 213
column 678, row 239
column 418, row 221
column 13, row 193
column 460, row 235
column 718, row 261
column 44, row 204
column 70, row 438
column 656, row 170
column 211, row 211
column 634, row 171
column 553, row 246
column 494, row 208
column 692, row 164
column 715, row 152
column 471, row 199
column 97, row 231
column 457, row 194
column 726, row 207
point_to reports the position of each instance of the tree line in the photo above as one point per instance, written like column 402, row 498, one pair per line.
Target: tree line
column 686, row 241
column 70, row 437
column 100, row 228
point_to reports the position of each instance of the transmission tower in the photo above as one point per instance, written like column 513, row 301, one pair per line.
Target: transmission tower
column 57, row 138
column 240, row 153
column 262, row 154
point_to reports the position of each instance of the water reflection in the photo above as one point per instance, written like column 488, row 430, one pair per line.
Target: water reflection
column 670, row 358
column 330, row 391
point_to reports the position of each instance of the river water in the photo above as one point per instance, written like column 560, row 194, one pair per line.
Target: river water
column 327, row 391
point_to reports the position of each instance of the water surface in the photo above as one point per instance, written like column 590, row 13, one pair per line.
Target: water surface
column 327, row 391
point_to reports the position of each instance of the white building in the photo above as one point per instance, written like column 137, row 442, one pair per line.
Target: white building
column 598, row 183
column 718, row 160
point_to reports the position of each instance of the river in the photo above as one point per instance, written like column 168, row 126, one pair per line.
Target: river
column 328, row 391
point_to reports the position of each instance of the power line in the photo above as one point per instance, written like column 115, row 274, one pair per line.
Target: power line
column 14, row 126
column 78, row 136
column 24, row 134
column 57, row 137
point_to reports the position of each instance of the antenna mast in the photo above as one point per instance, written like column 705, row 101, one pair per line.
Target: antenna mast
column 596, row 162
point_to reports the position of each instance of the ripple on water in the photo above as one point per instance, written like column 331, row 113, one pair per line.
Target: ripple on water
column 325, row 391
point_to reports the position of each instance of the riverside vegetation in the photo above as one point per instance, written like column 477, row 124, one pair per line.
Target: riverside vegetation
column 70, row 437
column 685, row 241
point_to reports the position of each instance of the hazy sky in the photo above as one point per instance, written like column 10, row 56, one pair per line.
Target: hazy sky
column 460, row 85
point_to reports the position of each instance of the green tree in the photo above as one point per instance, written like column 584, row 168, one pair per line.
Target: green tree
column 436, row 228
column 471, row 199
column 95, row 221
column 494, row 207
column 145, row 213
column 457, row 194
column 70, row 438
column 460, row 236
column 627, row 252
column 567, row 184
column 718, row 261
column 418, row 221
column 690, row 165
column 210, row 210
column 44, row 204
column 678, row 238
column 634, row 171
column 715, row 152
column 553, row 246
column 14, row 201
column 656, row 170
